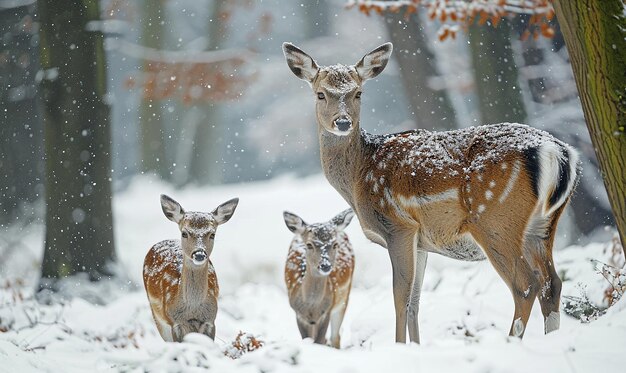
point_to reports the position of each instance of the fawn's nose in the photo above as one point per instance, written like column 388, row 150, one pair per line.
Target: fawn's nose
column 324, row 268
column 199, row 257
column 343, row 124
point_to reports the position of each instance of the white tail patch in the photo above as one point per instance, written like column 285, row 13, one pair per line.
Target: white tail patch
column 549, row 157
column 571, row 183
column 512, row 180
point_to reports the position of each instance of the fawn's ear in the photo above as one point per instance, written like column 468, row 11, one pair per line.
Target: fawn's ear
column 225, row 211
column 374, row 62
column 343, row 219
column 300, row 63
column 294, row 222
column 172, row 209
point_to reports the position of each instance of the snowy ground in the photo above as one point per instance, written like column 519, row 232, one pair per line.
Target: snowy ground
column 464, row 316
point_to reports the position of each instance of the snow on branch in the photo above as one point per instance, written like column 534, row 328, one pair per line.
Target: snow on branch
column 193, row 76
column 454, row 14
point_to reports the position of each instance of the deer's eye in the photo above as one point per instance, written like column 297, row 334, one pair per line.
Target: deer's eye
column 358, row 94
column 320, row 96
column 185, row 235
column 212, row 236
column 309, row 246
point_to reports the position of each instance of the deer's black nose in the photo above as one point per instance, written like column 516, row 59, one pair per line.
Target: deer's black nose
column 199, row 256
column 325, row 268
column 343, row 124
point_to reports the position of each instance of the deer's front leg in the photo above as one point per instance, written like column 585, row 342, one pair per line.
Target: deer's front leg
column 322, row 327
column 177, row 332
column 402, row 263
column 416, row 292
column 208, row 329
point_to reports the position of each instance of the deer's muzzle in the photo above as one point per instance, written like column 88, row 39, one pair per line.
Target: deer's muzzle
column 199, row 257
column 343, row 124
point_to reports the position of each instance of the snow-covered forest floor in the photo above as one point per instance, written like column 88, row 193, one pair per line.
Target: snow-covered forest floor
column 465, row 311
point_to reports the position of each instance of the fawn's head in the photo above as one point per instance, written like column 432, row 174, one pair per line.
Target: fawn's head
column 321, row 239
column 197, row 229
column 337, row 88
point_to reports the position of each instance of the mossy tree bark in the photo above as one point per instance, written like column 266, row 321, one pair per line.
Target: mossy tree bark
column 495, row 74
column 21, row 128
column 77, row 142
column 431, row 108
column 595, row 36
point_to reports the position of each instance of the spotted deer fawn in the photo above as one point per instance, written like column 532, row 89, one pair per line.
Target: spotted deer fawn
column 318, row 275
column 179, row 277
column 493, row 191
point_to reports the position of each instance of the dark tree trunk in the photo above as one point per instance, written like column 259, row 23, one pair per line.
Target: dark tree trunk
column 21, row 155
column 206, row 145
column 594, row 34
column 495, row 74
column 79, row 224
column 316, row 18
column 431, row 108
column 151, row 127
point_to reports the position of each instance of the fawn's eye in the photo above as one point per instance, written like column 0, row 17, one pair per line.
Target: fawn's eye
column 358, row 95
column 320, row 96
column 309, row 246
column 185, row 235
column 212, row 236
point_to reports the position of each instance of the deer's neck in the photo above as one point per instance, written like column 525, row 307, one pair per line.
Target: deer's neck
column 194, row 281
column 314, row 287
column 341, row 158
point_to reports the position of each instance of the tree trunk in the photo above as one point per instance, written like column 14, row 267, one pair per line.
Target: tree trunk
column 204, row 168
column 21, row 127
column 594, row 34
column 315, row 18
column 495, row 74
column 79, row 224
column 152, row 143
column 431, row 108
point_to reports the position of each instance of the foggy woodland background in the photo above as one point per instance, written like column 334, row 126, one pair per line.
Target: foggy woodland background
column 199, row 94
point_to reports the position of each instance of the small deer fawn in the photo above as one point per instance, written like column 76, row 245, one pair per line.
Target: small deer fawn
column 496, row 191
column 179, row 277
column 318, row 275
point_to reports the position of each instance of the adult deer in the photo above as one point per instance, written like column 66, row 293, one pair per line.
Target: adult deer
column 179, row 277
column 496, row 191
column 318, row 275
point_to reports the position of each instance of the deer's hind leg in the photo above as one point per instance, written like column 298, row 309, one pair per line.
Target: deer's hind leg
column 538, row 245
column 518, row 276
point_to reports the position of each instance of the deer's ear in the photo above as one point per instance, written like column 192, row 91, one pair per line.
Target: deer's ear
column 225, row 211
column 343, row 219
column 374, row 62
column 300, row 63
column 294, row 222
column 172, row 209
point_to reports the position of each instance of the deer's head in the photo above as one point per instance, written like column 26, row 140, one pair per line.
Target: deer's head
column 337, row 88
column 321, row 239
column 197, row 229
